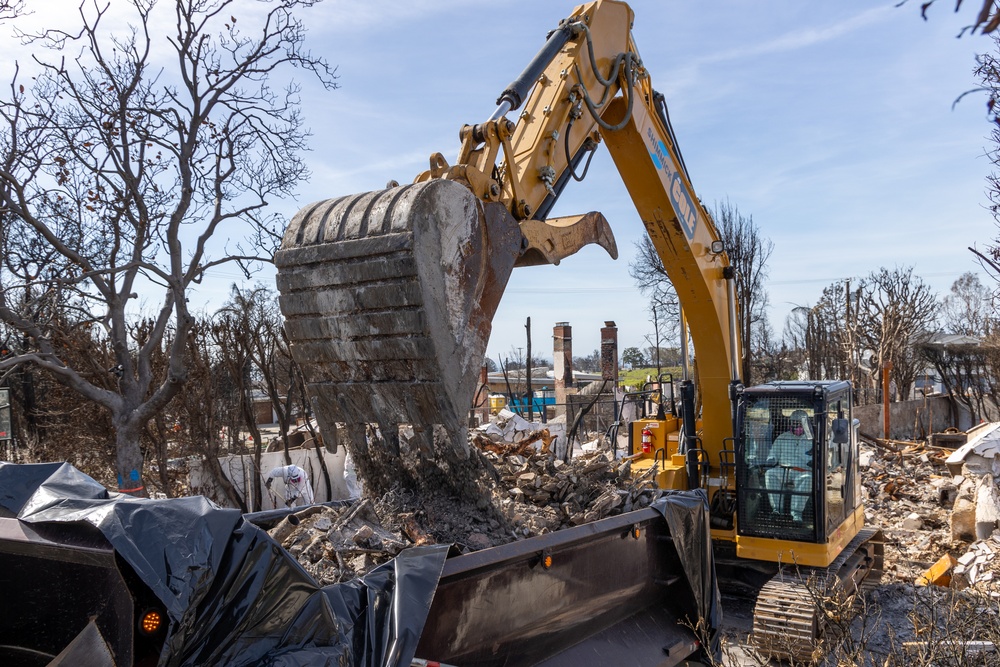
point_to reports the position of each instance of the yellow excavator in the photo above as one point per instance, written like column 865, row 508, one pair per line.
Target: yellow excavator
column 389, row 298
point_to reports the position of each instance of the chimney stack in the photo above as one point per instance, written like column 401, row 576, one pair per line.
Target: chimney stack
column 609, row 352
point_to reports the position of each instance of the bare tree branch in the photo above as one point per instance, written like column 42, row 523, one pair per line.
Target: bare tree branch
column 117, row 173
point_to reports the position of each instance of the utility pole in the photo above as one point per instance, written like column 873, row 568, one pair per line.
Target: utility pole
column 886, row 367
column 520, row 361
column 527, row 373
column 656, row 334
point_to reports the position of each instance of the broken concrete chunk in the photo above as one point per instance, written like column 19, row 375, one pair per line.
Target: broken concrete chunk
column 363, row 534
column 963, row 520
column 492, row 431
column 966, row 558
column 980, row 455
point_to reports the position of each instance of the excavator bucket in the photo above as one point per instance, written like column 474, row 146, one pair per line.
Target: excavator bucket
column 389, row 298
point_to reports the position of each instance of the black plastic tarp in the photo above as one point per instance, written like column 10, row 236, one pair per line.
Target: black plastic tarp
column 687, row 516
column 233, row 596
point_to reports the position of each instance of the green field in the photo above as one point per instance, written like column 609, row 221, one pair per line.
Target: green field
column 636, row 377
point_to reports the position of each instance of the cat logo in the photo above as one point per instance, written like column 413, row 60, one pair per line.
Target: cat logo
column 678, row 193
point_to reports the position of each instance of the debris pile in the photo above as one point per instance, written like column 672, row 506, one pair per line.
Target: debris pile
column 979, row 568
column 932, row 502
column 511, row 428
column 534, row 489
column 541, row 493
column 337, row 544
column 909, row 494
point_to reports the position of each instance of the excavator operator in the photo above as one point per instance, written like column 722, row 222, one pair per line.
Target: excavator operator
column 790, row 466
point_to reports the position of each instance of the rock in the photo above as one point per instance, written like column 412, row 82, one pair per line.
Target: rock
column 913, row 522
column 363, row 534
column 478, row 541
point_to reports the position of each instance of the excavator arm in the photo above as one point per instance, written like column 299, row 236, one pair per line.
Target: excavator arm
column 389, row 296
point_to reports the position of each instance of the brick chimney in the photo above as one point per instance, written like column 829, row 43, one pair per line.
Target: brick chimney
column 609, row 352
column 562, row 362
column 482, row 406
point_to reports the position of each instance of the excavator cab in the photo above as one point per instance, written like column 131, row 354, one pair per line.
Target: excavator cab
column 796, row 461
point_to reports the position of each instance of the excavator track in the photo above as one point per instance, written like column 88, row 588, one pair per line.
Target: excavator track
column 787, row 620
column 388, row 298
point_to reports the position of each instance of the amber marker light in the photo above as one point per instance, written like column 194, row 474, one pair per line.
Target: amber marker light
column 546, row 561
column 636, row 532
column 151, row 622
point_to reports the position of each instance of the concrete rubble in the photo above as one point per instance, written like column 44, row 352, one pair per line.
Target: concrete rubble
column 938, row 507
column 337, row 544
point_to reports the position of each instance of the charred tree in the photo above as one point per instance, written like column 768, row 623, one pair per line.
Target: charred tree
column 119, row 170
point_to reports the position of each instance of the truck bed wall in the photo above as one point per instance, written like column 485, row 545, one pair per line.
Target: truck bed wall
column 615, row 582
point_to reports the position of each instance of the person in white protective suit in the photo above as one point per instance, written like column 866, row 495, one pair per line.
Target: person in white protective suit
column 297, row 486
column 791, row 461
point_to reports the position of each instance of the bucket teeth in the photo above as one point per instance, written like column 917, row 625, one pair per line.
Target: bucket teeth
column 389, row 298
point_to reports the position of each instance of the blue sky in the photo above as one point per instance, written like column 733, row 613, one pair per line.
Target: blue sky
column 831, row 124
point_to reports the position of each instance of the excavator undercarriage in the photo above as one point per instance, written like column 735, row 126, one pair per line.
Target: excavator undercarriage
column 788, row 619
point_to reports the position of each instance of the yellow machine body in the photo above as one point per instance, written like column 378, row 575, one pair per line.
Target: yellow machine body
column 407, row 280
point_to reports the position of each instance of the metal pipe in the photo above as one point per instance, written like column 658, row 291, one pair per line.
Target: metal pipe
column 685, row 371
column 518, row 89
column 501, row 111
column 729, row 273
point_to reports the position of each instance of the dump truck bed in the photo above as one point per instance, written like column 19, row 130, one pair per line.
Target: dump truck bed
column 83, row 565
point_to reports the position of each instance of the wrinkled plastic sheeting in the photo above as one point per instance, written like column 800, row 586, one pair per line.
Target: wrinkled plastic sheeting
column 688, row 518
column 232, row 594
